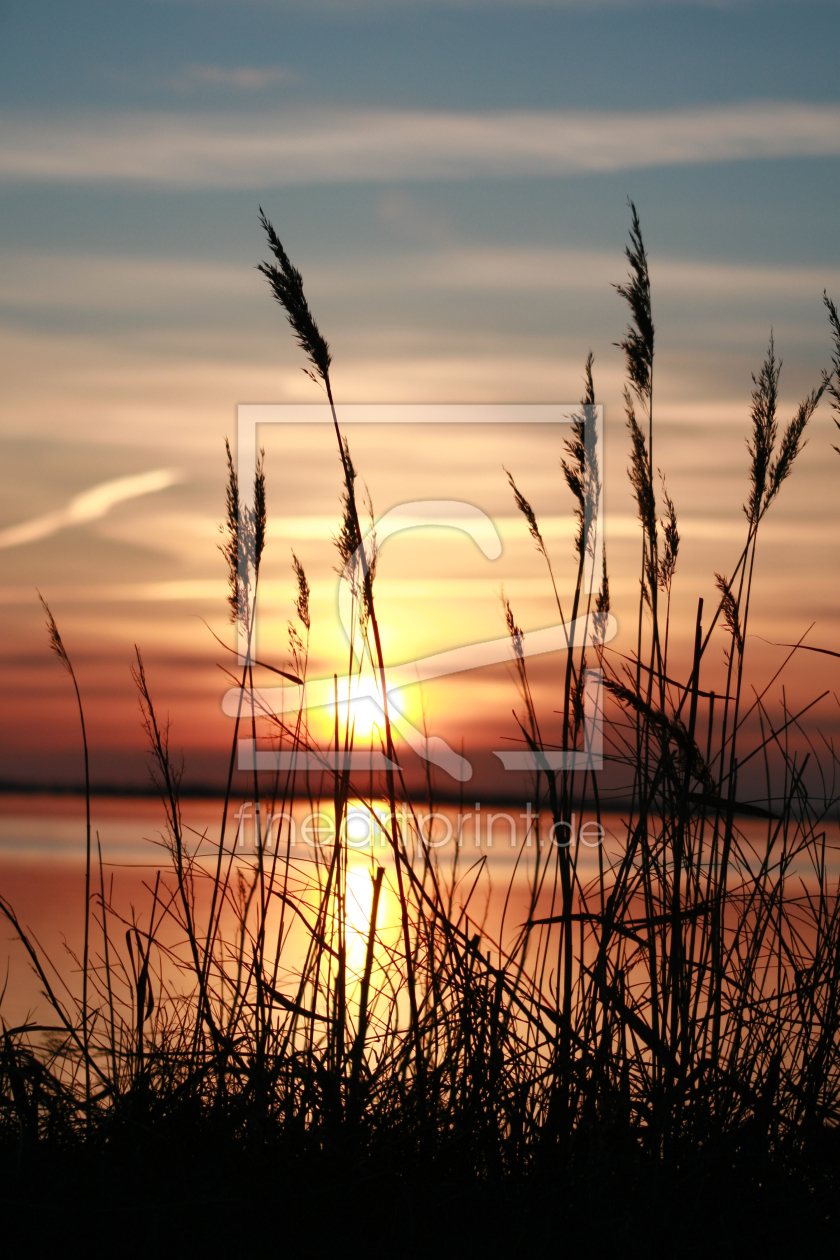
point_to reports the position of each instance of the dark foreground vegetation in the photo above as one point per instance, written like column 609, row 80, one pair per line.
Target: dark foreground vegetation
column 651, row 1061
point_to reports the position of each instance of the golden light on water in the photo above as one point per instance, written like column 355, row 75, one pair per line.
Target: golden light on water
column 357, row 916
column 364, row 834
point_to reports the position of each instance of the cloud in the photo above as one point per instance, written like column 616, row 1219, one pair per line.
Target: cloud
column 96, row 282
column 241, row 78
column 527, row 269
column 353, row 8
column 89, row 506
column 221, row 150
column 87, row 282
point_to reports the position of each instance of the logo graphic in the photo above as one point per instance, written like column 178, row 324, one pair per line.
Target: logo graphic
column 419, row 515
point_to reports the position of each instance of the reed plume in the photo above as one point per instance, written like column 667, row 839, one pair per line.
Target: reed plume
column 580, row 467
column 303, row 592
column 641, row 480
column 245, row 530
column 637, row 342
column 790, row 445
column 287, row 285
column 670, row 540
column 764, row 429
column 730, row 612
column 831, row 380
column 528, row 512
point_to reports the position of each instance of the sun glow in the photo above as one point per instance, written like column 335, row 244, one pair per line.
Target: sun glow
column 362, row 716
column 359, row 904
column 360, row 713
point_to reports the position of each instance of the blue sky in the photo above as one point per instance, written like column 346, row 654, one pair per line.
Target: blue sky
column 82, row 70
column 452, row 179
column 434, row 55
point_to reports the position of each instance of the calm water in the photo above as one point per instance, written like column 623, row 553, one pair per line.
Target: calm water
column 42, row 863
column 42, row 847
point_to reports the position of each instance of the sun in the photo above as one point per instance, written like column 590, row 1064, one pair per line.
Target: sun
column 364, row 716
column 361, row 706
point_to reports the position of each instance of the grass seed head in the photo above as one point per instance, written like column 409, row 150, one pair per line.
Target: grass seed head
column 790, row 445
column 730, row 613
column 528, row 512
column 513, row 629
column 235, row 543
column 302, row 600
column 260, row 513
column 348, row 540
column 765, row 397
column 602, row 601
column 640, row 479
column 581, row 467
column 56, row 643
column 831, row 380
column 287, row 285
column 637, row 342
column 671, row 536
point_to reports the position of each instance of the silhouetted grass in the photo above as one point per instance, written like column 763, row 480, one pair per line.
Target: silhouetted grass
column 655, row 1049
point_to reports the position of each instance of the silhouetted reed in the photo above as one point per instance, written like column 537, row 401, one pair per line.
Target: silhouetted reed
column 686, row 996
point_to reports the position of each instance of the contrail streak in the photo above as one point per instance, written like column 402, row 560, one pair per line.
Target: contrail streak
column 89, row 506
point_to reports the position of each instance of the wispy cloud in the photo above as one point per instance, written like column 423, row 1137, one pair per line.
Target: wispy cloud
column 239, row 78
column 89, row 282
column 89, row 506
column 500, row 269
column 352, row 7
column 247, row 151
column 95, row 282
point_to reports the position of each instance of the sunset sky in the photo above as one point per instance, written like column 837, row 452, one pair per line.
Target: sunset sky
column 452, row 180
